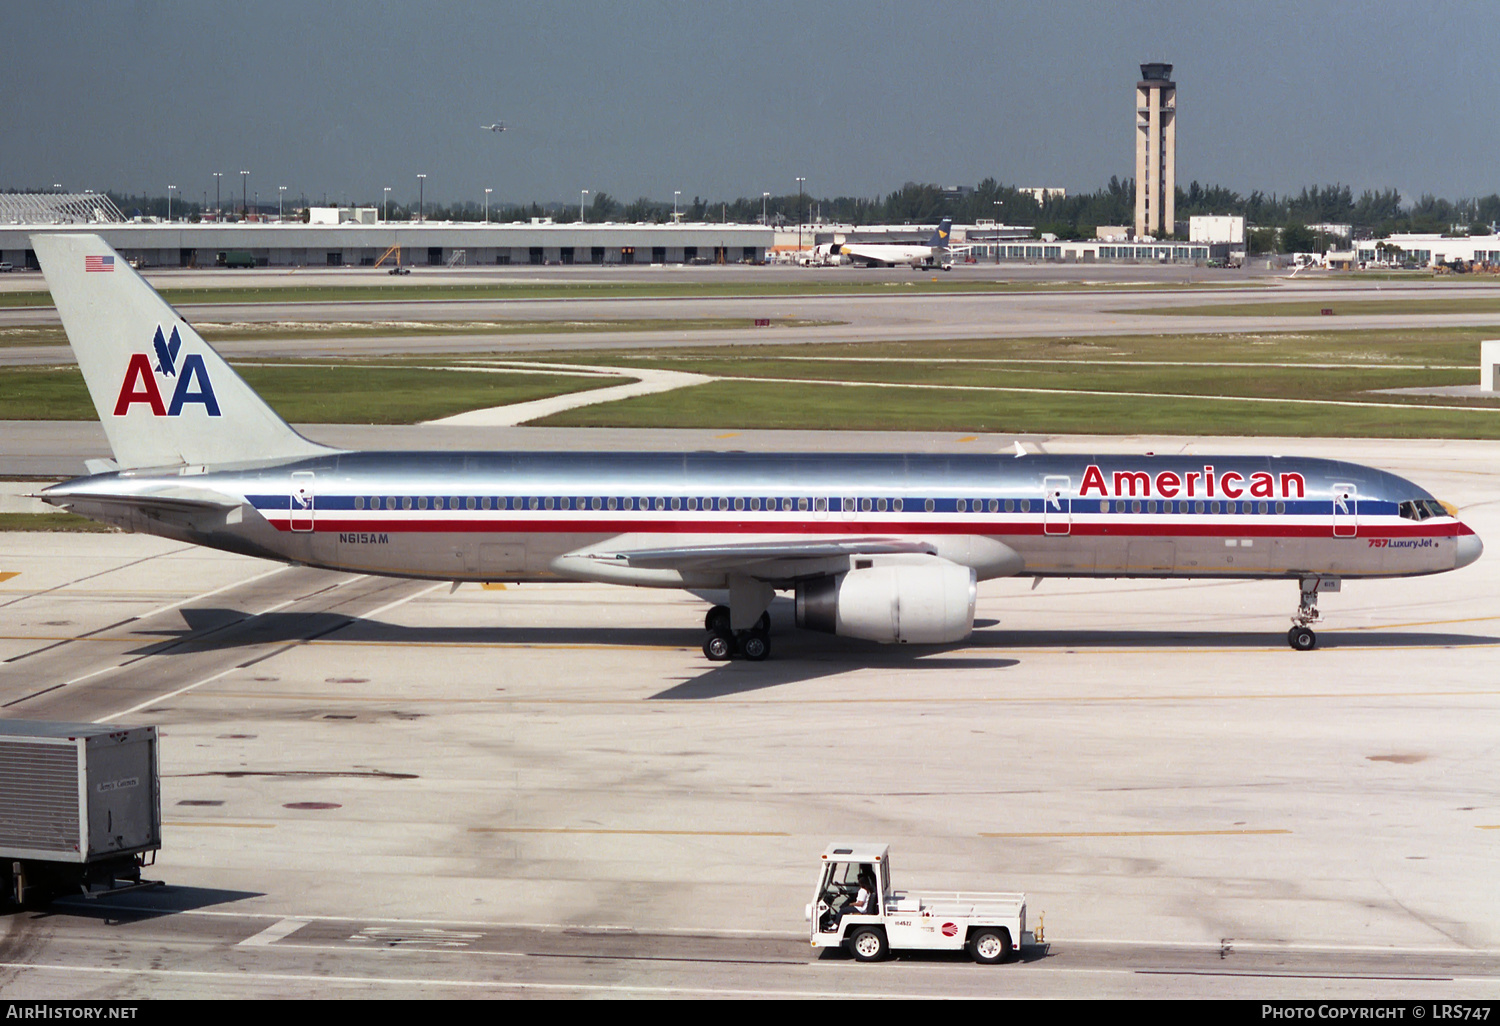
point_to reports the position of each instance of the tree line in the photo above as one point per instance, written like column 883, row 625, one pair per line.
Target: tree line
column 1372, row 213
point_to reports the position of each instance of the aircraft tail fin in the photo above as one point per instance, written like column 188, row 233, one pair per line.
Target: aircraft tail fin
column 944, row 232
column 164, row 395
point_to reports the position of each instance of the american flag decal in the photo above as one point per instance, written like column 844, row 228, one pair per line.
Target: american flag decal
column 98, row 263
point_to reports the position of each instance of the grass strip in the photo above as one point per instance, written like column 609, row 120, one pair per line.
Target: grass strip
column 771, row 404
column 52, row 522
column 313, row 395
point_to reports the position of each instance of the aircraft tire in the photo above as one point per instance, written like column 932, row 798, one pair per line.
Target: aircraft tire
column 1302, row 639
column 718, row 647
column 716, row 619
column 756, row 646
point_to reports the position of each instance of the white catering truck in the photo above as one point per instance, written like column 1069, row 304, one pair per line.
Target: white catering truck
column 990, row 925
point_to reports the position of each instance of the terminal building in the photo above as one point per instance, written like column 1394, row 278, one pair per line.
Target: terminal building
column 1427, row 250
column 355, row 238
column 362, row 242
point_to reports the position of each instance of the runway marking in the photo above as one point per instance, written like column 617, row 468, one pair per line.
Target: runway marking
column 211, row 593
column 273, row 933
column 1140, row 833
column 250, row 662
column 1488, row 826
column 128, row 662
column 400, row 601
column 90, row 635
column 697, row 931
column 1417, row 623
column 493, row 586
column 1060, row 647
column 426, row 981
column 598, row 928
column 644, row 833
column 101, row 573
column 854, row 986
column 882, row 700
column 217, row 823
column 8, row 574
column 169, row 695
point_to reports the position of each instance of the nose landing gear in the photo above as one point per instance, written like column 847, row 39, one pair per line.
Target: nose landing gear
column 1301, row 637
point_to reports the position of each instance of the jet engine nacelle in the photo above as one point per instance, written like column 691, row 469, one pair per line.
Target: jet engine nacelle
column 927, row 603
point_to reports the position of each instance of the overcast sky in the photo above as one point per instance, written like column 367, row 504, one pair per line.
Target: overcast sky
column 722, row 99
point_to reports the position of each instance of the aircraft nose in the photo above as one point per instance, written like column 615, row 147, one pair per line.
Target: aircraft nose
column 1469, row 548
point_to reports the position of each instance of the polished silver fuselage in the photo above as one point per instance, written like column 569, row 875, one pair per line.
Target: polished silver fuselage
column 559, row 516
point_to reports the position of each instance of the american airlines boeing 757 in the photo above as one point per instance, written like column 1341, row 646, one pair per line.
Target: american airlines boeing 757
column 887, row 548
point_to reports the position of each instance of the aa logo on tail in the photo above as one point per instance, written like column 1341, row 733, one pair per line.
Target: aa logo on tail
column 140, row 384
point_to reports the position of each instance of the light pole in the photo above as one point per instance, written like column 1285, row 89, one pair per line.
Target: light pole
column 487, row 205
column 218, row 207
column 581, row 198
column 998, row 203
column 799, row 217
column 244, row 185
column 675, row 194
column 385, row 197
column 170, row 190
column 421, row 197
column 280, row 195
column 763, row 197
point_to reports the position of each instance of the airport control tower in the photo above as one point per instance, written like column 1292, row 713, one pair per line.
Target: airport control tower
column 1155, row 150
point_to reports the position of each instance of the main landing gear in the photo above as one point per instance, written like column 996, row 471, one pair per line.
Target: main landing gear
column 723, row 643
column 1301, row 637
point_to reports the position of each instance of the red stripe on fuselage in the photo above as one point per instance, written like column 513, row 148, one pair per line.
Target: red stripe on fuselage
column 1226, row 528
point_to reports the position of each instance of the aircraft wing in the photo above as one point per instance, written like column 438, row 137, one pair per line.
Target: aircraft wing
column 734, row 555
column 778, row 559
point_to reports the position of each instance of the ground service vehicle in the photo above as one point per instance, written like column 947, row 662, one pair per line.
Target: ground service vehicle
column 989, row 925
column 80, row 808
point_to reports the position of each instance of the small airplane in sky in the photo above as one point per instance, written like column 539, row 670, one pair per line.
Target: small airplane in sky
column 498, row 126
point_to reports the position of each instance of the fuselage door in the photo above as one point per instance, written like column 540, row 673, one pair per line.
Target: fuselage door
column 1345, row 511
column 302, row 500
column 1057, row 507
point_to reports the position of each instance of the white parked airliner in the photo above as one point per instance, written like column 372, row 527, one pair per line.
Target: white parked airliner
column 885, row 254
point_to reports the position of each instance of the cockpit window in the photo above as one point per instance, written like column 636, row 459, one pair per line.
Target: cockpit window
column 1421, row 509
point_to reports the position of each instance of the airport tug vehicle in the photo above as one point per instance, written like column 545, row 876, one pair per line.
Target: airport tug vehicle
column 991, row 926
